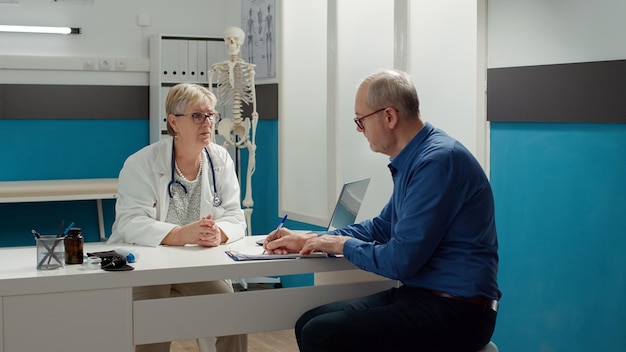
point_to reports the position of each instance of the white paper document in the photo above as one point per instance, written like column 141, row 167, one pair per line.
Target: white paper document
column 239, row 256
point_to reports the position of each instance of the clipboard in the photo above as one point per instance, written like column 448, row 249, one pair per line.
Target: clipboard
column 238, row 256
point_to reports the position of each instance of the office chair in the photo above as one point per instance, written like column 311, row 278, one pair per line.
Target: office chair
column 490, row 347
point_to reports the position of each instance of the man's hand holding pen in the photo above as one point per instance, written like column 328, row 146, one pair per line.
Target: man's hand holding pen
column 272, row 235
column 285, row 241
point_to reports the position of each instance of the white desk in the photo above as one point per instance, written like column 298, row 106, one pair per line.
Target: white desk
column 61, row 190
column 77, row 309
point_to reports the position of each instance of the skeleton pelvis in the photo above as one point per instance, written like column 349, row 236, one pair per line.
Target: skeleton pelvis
column 233, row 131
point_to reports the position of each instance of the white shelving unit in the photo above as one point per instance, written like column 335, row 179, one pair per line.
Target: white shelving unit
column 177, row 59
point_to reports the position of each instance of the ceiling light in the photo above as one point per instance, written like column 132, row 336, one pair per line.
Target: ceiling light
column 39, row 29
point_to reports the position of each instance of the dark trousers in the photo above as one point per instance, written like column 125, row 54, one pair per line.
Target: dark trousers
column 399, row 319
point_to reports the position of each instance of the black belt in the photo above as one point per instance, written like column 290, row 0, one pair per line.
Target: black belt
column 480, row 300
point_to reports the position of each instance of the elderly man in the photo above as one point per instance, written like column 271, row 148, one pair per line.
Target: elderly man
column 436, row 235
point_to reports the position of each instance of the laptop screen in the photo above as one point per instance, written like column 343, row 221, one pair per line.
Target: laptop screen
column 348, row 204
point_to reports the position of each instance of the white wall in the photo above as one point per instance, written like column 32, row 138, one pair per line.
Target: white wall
column 337, row 44
column 539, row 32
column 447, row 61
column 302, row 109
column 365, row 44
column 109, row 30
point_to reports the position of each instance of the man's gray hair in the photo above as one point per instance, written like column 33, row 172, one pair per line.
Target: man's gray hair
column 392, row 88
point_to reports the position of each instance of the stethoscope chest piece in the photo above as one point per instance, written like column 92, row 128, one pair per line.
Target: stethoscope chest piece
column 217, row 200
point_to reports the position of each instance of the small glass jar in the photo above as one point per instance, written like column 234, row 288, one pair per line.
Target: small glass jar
column 74, row 246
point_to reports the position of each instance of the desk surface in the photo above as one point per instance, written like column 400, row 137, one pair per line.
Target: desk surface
column 33, row 300
column 161, row 265
column 53, row 190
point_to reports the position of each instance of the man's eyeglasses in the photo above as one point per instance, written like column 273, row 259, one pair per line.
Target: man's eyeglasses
column 200, row 117
column 357, row 119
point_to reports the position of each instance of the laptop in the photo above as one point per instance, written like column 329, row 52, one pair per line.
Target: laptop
column 348, row 205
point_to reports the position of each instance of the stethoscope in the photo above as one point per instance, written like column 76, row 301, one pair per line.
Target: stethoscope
column 217, row 200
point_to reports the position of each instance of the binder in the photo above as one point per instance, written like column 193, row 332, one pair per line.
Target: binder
column 216, row 52
column 183, row 60
column 203, row 66
column 169, row 60
column 192, row 58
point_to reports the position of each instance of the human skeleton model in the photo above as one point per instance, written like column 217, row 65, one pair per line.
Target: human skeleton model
column 235, row 86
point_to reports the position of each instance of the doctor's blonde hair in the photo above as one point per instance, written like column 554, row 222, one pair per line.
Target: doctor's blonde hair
column 182, row 95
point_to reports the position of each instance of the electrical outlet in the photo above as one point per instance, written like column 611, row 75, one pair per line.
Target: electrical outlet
column 120, row 64
column 104, row 64
column 89, row 64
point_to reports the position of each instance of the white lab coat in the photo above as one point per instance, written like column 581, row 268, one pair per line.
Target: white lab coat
column 143, row 201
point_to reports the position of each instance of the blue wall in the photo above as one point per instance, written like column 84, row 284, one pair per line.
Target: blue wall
column 560, row 192
column 67, row 149
column 62, row 149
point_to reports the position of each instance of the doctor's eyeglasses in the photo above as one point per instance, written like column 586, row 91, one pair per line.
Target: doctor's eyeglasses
column 200, row 117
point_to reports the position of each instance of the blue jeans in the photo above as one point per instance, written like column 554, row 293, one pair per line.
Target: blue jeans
column 399, row 319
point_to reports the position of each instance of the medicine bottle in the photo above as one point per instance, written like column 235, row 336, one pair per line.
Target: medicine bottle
column 74, row 246
column 131, row 255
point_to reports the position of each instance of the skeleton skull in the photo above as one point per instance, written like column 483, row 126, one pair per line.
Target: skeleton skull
column 234, row 37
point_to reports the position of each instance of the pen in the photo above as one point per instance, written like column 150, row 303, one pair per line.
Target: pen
column 68, row 228
column 280, row 224
column 37, row 235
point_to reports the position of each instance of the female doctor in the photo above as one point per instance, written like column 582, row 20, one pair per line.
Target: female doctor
column 182, row 190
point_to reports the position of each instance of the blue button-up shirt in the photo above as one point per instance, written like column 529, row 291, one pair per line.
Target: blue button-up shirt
column 438, row 229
